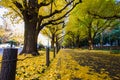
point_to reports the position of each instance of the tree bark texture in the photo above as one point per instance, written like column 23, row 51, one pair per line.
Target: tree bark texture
column 90, row 40
column 30, row 39
column 52, row 41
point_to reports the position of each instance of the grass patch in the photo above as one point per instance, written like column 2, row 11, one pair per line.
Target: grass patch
column 115, row 51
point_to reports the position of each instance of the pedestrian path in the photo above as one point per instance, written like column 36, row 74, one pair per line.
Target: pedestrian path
column 64, row 67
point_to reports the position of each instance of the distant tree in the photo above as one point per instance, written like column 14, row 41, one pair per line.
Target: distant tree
column 75, row 32
column 18, row 38
column 5, row 31
column 92, row 26
column 95, row 27
column 74, row 35
column 52, row 31
column 56, row 34
column 111, row 36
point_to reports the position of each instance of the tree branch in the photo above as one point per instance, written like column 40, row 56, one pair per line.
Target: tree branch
column 62, row 36
column 46, row 32
column 51, row 21
column 104, row 17
column 45, row 4
column 18, row 5
column 59, row 11
column 16, row 12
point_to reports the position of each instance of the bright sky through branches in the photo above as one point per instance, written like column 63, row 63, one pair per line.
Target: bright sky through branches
column 19, row 28
column 2, row 11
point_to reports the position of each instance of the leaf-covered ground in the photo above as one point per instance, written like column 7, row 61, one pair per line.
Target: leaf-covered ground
column 70, row 64
column 30, row 67
column 100, row 61
column 83, row 65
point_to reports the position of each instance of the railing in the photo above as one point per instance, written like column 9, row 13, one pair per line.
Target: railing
column 107, row 47
column 104, row 47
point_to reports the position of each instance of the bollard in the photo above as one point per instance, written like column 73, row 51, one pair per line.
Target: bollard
column 9, row 60
column 47, row 56
column 11, row 44
column 54, row 52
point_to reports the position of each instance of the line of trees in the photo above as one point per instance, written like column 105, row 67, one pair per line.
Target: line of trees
column 92, row 21
column 86, row 23
column 37, row 14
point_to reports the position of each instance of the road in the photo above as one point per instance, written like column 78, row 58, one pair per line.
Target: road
column 1, row 50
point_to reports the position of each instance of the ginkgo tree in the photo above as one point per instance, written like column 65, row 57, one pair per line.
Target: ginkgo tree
column 107, row 19
column 37, row 14
column 110, row 9
column 56, row 35
column 92, row 26
column 5, row 31
column 75, row 32
column 18, row 38
column 52, row 31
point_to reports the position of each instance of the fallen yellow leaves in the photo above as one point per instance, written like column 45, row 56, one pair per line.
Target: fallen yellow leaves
column 66, row 68
column 63, row 67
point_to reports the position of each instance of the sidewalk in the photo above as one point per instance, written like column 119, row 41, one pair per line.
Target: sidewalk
column 64, row 67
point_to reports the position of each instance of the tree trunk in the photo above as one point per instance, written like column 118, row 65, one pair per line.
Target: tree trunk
column 30, row 39
column 90, row 40
column 57, row 45
column 101, row 40
column 90, row 44
column 77, row 41
column 52, row 41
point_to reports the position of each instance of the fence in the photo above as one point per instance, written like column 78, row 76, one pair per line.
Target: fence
column 104, row 47
column 107, row 47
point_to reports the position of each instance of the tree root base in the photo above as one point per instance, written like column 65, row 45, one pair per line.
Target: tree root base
column 32, row 53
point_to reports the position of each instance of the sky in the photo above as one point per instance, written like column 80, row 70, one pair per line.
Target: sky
column 117, row 0
column 1, row 21
column 2, row 11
